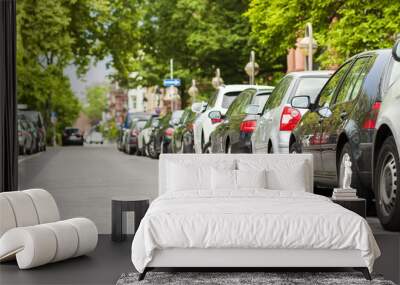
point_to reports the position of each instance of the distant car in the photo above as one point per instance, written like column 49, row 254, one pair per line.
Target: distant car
column 72, row 136
column 234, row 133
column 145, row 134
column 220, row 101
column 131, row 137
column 95, row 137
column 279, row 117
column 342, row 121
column 386, row 160
column 26, row 143
column 182, row 138
column 36, row 118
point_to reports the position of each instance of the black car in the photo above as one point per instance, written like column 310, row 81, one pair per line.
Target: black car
column 161, row 136
column 72, row 136
column 233, row 135
column 342, row 120
column 182, row 139
column 36, row 119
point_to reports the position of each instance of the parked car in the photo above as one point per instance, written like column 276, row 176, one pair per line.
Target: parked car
column 25, row 139
column 342, row 121
column 234, row 133
column 161, row 134
column 36, row 119
column 126, row 126
column 95, row 137
column 182, row 138
column 145, row 134
column 279, row 117
column 386, row 150
column 72, row 136
column 131, row 137
column 220, row 101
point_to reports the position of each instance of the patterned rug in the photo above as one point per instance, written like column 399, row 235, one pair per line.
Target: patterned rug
column 243, row 278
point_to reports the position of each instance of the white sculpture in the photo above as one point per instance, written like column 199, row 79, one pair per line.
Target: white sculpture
column 347, row 172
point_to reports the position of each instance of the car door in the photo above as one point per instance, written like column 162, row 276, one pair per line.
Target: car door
column 310, row 129
column 261, row 136
column 341, row 107
column 238, row 116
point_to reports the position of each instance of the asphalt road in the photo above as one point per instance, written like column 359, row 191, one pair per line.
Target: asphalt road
column 84, row 179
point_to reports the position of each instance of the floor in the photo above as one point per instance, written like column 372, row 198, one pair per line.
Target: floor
column 103, row 266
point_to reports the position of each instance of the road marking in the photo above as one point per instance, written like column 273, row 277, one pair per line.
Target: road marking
column 25, row 158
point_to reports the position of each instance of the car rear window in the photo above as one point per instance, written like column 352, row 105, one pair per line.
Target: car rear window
column 140, row 125
column 261, row 98
column 228, row 98
column 310, row 86
column 72, row 131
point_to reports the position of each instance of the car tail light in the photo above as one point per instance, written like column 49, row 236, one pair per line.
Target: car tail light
column 289, row 118
column 134, row 132
column 248, row 126
column 216, row 120
column 372, row 116
column 168, row 132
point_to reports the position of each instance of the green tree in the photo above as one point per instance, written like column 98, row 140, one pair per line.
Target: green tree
column 341, row 27
column 96, row 97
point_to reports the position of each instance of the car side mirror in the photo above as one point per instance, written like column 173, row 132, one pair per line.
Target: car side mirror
column 396, row 50
column 199, row 107
column 215, row 116
column 325, row 112
column 252, row 109
column 301, row 102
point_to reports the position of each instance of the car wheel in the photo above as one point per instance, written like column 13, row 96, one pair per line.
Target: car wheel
column 355, row 182
column 228, row 148
column 270, row 148
column 294, row 148
column 386, row 185
column 152, row 149
column 207, row 148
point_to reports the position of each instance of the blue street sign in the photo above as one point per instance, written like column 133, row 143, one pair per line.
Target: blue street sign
column 172, row 82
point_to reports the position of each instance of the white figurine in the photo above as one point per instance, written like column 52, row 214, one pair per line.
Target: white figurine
column 347, row 172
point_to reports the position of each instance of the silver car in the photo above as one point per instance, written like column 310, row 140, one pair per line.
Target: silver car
column 279, row 118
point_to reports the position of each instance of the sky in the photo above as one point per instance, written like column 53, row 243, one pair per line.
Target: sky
column 96, row 74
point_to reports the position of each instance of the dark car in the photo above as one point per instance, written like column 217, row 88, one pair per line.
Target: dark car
column 161, row 134
column 182, row 139
column 341, row 122
column 36, row 119
column 233, row 135
column 72, row 136
column 130, row 143
column 26, row 140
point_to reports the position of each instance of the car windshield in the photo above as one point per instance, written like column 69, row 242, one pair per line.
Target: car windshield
column 33, row 116
column 229, row 97
column 310, row 86
column 261, row 98
column 72, row 131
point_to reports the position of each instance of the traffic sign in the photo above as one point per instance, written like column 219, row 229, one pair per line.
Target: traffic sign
column 172, row 82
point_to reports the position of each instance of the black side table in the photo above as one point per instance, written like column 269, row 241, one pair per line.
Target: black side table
column 137, row 204
column 356, row 205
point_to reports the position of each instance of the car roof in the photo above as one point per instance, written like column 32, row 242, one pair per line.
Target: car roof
column 311, row 73
column 241, row 87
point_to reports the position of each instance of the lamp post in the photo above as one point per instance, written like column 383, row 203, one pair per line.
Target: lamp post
column 252, row 68
column 308, row 45
column 193, row 91
column 217, row 81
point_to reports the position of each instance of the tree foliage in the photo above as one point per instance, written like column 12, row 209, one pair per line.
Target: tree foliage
column 96, row 97
column 341, row 27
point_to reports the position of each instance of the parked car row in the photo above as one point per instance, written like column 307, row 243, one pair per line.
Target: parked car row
column 352, row 112
column 31, row 132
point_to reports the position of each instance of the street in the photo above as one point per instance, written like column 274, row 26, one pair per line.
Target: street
column 84, row 179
